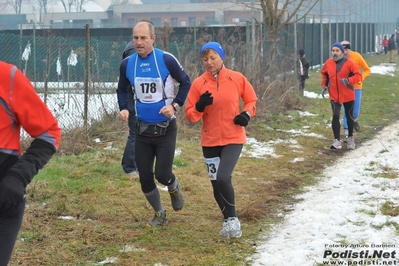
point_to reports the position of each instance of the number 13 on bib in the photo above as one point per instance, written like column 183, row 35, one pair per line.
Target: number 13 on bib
column 212, row 166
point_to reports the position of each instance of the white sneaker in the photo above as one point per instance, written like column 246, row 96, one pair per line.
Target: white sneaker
column 225, row 230
column 336, row 145
column 133, row 175
column 234, row 227
column 351, row 143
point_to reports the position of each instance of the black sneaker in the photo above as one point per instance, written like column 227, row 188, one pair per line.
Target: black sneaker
column 177, row 197
column 356, row 126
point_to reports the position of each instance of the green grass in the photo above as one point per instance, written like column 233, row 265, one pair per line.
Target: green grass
column 110, row 211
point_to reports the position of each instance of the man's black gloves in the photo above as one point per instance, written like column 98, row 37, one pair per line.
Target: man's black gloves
column 242, row 119
column 12, row 192
column 204, row 100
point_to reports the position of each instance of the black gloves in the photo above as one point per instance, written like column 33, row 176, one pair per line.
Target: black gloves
column 345, row 81
column 204, row 100
column 12, row 187
column 242, row 119
column 12, row 192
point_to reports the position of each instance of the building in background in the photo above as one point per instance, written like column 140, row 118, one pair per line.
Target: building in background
column 185, row 13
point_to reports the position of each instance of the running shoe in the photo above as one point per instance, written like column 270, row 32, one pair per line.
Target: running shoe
column 225, row 230
column 356, row 126
column 336, row 145
column 351, row 143
column 177, row 197
column 158, row 220
column 234, row 227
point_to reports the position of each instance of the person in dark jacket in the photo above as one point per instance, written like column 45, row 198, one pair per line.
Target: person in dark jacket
column 129, row 155
column 391, row 48
column 303, row 70
column 20, row 106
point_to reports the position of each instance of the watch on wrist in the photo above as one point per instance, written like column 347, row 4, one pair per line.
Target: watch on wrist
column 176, row 106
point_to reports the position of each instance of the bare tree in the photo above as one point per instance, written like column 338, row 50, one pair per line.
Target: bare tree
column 79, row 5
column 16, row 5
column 42, row 8
column 277, row 15
column 67, row 4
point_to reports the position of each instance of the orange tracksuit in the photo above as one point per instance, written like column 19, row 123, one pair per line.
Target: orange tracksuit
column 218, row 118
column 332, row 73
column 21, row 106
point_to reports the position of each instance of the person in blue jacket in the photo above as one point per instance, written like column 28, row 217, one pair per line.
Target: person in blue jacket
column 153, row 74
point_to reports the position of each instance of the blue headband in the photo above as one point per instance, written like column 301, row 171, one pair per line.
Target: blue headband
column 214, row 46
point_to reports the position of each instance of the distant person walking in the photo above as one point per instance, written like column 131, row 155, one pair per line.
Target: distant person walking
column 365, row 71
column 385, row 44
column 391, row 48
column 303, row 70
column 339, row 74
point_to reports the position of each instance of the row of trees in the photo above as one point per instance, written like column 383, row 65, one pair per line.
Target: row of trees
column 43, row 5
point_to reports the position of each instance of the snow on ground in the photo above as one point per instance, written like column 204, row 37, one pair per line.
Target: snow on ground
column 339, row 221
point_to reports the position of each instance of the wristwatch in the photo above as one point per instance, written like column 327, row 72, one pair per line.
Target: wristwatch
column 176, row 106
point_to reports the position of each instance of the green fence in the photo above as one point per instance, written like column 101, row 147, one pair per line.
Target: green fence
column 55, row 59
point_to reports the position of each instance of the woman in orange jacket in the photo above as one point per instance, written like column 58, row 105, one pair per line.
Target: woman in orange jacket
column 215, row 97
column 20, row 106
column 339, row 75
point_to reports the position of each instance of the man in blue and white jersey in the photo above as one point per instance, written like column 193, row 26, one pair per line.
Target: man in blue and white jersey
column 153, row 74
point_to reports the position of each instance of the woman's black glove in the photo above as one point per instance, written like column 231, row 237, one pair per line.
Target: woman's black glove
column 204, row 100
column 242, row 119
column 12, row 192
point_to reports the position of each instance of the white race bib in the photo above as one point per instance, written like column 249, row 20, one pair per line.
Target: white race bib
column 148, row 90
column 212, row 166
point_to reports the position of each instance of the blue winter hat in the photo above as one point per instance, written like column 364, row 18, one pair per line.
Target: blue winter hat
column 301, row 52
column 214, row 46
column 339, row 45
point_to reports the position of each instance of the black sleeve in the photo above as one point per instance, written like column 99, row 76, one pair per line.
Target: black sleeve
column 37, row 155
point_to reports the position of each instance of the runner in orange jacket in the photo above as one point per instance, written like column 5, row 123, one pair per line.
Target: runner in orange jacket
column 20, row 106
column 365, row 71
column 339, row 74
column 215, row 97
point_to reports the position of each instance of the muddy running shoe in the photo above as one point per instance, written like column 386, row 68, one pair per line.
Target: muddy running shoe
column 356, row 126
column 177, row 197
column 234, row 227
column 336, row 145
column 351, row 143
column 158, row 220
